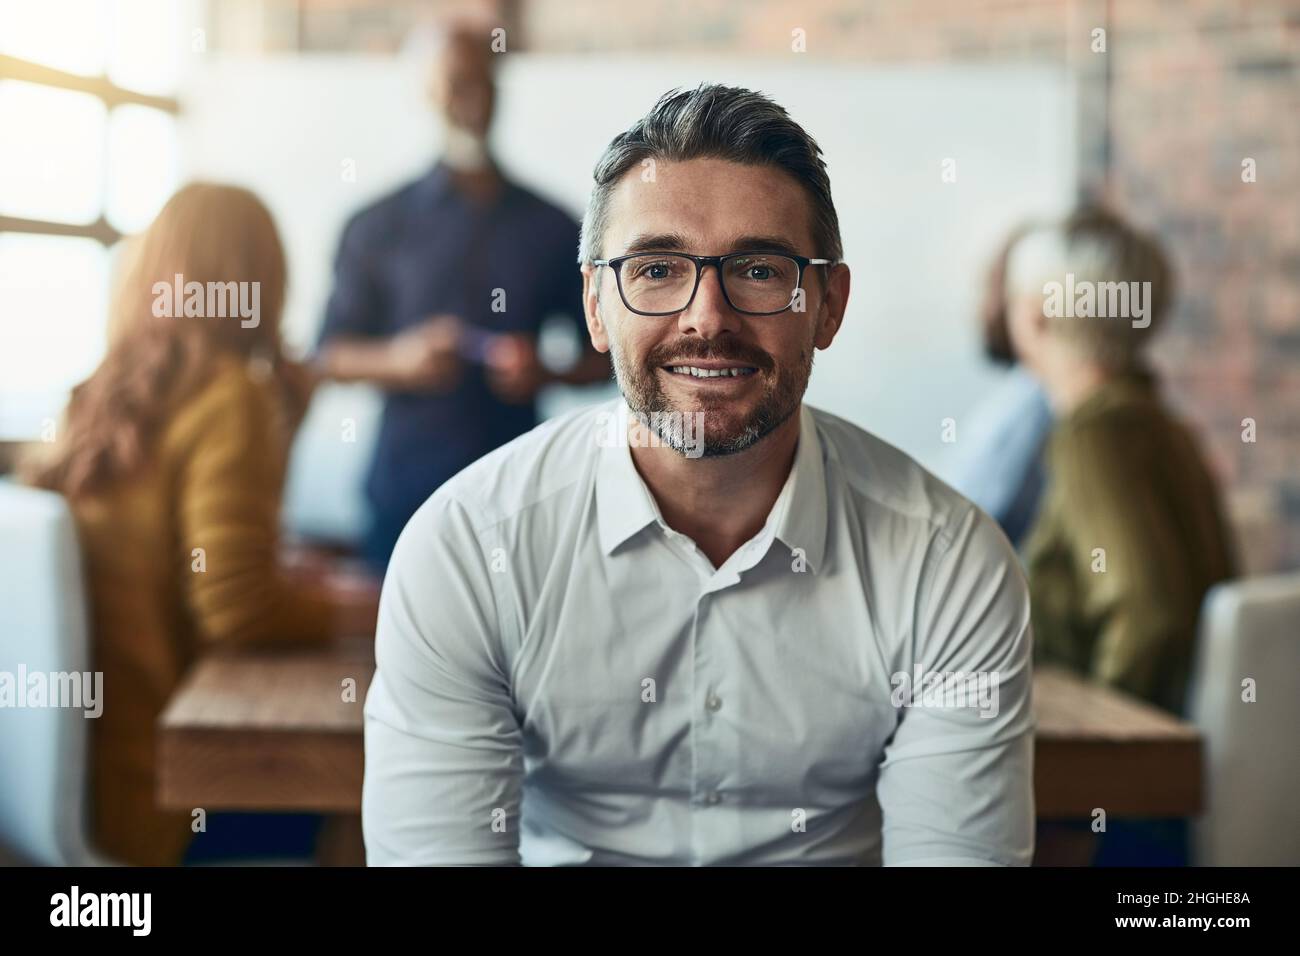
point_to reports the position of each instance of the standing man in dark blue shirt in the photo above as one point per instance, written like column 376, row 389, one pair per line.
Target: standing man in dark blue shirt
column 440, row 292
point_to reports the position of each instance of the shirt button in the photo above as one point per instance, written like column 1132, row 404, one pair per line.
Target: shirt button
column 713, row 798
column 713, row 702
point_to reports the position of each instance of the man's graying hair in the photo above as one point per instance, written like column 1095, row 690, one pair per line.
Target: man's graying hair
column 718, row 122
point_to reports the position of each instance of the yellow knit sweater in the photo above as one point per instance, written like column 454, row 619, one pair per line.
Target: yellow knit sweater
column 180, row 558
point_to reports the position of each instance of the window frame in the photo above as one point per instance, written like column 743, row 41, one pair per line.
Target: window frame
column 111, row 95
column 100, row 230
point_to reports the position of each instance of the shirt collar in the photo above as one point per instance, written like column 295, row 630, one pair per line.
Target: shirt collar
column 438, row 183
column 802, row 524
column 624, row 505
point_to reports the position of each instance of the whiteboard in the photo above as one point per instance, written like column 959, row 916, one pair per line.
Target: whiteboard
column 908, row 355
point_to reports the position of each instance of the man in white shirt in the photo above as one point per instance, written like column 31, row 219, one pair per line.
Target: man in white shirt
column 703, row 623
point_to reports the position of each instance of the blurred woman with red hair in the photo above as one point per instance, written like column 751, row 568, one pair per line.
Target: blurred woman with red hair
column 172, row 458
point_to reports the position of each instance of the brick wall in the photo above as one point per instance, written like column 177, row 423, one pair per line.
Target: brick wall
column 1185, row 91
column 1198, row 88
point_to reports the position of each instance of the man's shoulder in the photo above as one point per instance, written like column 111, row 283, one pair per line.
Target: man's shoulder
column 232, row 393
column 541, row 206
column 546, row 220
column 883, row 477
column 553, row 460
column 378, row 217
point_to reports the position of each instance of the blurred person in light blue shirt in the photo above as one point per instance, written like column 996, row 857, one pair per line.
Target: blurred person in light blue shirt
column 997, row 462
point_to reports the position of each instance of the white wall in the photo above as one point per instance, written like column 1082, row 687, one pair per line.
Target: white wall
column 908, row 354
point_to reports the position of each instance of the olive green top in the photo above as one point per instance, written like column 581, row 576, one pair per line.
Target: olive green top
column 1129, row 538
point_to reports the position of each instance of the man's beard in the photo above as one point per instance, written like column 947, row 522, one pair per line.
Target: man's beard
column 462, row 150
column 648, row 400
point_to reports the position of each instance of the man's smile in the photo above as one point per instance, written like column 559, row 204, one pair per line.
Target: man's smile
column 709, row 372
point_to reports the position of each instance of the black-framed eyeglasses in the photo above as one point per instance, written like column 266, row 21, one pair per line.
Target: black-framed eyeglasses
column 753, row 283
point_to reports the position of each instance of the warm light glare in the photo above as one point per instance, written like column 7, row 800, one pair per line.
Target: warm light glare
column 52, row 168
column 143, row 165
column 68, row 158
column 53, row 321
column 147, row 44
column 65, row 34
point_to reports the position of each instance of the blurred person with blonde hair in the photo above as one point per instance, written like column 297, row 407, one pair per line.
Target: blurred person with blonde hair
column 1131, row 533
column 172, row 457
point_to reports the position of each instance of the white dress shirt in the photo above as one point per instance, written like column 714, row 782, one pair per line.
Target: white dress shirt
column 564, row 679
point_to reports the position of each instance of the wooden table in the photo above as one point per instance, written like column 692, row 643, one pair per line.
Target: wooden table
column 281, row 732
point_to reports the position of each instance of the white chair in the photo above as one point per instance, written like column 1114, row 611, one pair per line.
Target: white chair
column 1249, row 629
column 43, row 751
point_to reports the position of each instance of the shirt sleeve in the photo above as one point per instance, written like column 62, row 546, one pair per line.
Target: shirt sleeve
column 956, row 782
column 444, row 748
column 356, row 305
